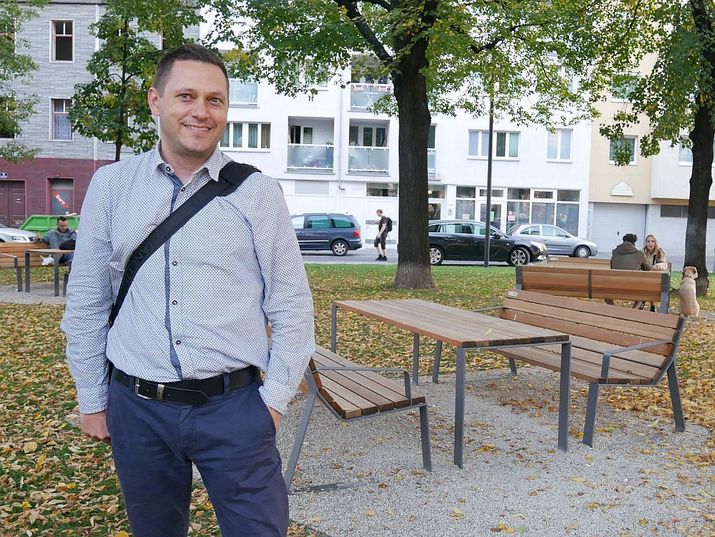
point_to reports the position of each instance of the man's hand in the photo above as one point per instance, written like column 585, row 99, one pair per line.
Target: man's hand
column 276, row 417
column 95, row 425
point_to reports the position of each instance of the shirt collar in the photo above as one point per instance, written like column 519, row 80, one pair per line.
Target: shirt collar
column 213, row 165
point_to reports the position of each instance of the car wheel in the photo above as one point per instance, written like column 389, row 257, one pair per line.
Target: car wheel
column 340, row 247
column 436, row 255
column 518, row 256
column 582, row 251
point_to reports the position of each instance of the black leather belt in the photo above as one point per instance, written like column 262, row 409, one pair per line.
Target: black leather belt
column 187, row 392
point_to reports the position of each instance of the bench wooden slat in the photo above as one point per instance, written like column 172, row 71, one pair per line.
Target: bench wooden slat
column 385, row 398
column 377, row 383
column 345, row 402
column 587, row 371
column 647, row 358
column 645, row 317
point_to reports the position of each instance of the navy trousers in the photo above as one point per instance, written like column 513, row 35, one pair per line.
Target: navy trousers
column 230, row 439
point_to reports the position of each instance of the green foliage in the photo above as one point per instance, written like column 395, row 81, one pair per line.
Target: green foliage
column 680, row 82
column 15, row 66
column 113, row 106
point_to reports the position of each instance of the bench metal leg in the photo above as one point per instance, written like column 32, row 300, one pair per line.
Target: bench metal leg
column 56, row 257
column 675, row 398
column 565, row 384
column 415, row 359
column 512, row 366
column 590, row 414
column 27, row 271
column 425, row 440
column 437, row 358
column 299, row 437
column 334, row 328
column 459, row 411
column 18, row 275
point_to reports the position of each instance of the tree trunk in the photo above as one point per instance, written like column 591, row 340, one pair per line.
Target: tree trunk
column 413, row 267
column 700, row 182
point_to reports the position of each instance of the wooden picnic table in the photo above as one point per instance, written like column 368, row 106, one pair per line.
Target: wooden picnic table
column 467, row 331
column 56, row 253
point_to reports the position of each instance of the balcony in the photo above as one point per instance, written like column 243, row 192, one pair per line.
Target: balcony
column 242, row 93
column 363, row 96
column 370, row 160
column 310, row 157
column 431, row 160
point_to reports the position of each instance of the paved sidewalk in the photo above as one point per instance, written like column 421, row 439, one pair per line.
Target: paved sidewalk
column 40, row 293
column 366, row 478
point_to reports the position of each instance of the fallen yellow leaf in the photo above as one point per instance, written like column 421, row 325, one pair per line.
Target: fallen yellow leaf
column 30, row 447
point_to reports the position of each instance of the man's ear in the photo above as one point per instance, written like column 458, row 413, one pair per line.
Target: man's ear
column 153, row 100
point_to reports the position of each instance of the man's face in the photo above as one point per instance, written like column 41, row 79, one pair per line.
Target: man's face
column 192, row 110
column 62, row 226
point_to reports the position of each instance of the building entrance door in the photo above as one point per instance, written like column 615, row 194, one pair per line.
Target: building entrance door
column 12, row 203
column 498, row 212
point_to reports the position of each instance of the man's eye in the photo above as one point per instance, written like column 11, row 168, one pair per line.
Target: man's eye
column 184, row 96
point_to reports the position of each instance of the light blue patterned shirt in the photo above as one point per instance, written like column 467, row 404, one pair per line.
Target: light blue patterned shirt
column 198, row 306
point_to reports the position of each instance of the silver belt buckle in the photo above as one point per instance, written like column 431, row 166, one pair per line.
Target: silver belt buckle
column 159, row 391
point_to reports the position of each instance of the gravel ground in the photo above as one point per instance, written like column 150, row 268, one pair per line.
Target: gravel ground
column 366, row 478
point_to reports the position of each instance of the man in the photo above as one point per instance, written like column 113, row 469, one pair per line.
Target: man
column 381, row 236
column 57, row 236
column 193, row 325
column 626, row 256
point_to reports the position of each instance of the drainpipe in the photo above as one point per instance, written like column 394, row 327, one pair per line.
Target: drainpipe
column 338, row 151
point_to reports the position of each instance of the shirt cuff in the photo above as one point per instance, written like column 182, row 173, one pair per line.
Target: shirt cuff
column 275, row 395
column 92, row 400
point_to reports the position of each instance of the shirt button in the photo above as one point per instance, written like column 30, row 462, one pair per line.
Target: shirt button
column 174, row 263
column 183, row 189
column 174, row 302
column 178, row 342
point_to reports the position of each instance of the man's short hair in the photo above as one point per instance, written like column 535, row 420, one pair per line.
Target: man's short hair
column 379, row 211
column 185, row 52
column 61, row 219
column 630, row 237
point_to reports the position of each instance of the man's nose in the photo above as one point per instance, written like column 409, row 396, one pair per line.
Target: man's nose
column 200, row 109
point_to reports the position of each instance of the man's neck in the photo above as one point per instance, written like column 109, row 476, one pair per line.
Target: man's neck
column 184, row 167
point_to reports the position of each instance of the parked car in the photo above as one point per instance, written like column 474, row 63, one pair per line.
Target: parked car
column 463, row 240
column 338, row 233
column 11, row 234
column 558, row 241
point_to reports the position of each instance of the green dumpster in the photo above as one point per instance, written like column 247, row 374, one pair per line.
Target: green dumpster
column 42, row 223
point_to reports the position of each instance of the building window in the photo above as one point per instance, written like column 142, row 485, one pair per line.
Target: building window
column 61, row 128
column 367, row 136
column 246, row 136
column 559, row 145
column 242, row 93
column 627, row 143
column 555, row 207
column 62, row 41
column 685, row 155
column 61, row 196
column 465, row 202
column 312, row 188
column 8, row 127
column 7, row 37
column 506, row 144
column 300, row 134
column 382, row 190
column 623, row 87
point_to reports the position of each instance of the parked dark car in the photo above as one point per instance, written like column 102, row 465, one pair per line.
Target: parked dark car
column 558, row 241
column 338, row 233
column 463, row 240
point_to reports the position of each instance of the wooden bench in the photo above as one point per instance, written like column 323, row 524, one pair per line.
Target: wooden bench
column 351, row 392
column 12, row 255
column 610, row 345
column 588, row 282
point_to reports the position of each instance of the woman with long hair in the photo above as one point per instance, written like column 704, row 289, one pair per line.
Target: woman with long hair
column 654, row 254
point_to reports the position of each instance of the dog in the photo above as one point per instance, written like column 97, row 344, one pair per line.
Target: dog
column 688, row 303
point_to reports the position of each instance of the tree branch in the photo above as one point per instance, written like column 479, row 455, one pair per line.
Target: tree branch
column 358, row 20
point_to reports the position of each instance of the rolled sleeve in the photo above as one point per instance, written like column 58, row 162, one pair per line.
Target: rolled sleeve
column 89, row 300
column 287, row 304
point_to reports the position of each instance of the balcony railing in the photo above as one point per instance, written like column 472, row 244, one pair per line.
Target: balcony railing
column 242, row 93
column 431, row 160
column 368, row 159
column 363, row 96
column 310, row 157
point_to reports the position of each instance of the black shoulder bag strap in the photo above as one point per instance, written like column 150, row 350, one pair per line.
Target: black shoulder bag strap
column 230, row 178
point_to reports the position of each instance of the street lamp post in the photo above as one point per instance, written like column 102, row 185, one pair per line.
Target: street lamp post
column 487, row 231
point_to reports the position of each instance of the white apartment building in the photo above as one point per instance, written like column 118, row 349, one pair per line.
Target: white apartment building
column 331, row 153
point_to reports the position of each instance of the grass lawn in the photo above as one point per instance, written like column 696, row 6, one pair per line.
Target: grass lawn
column 53, row 482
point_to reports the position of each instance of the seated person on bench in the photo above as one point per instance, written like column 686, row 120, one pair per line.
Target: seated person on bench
column 55, row 237
column 626, row 256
